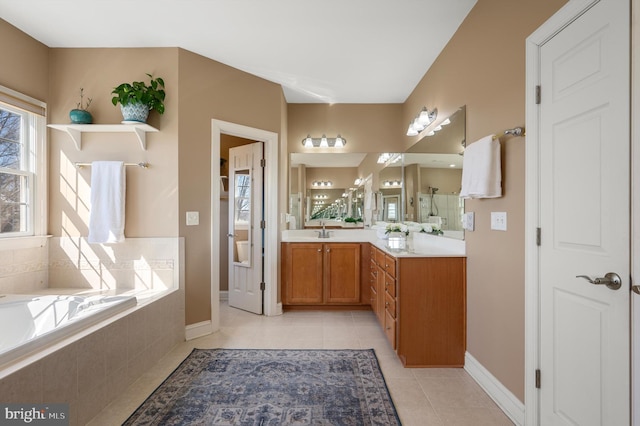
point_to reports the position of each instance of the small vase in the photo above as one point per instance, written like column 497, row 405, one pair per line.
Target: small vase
column 135, row 112
column 80, row 116
column 397, row 241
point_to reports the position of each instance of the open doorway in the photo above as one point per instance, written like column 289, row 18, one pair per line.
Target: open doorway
column 270, row 140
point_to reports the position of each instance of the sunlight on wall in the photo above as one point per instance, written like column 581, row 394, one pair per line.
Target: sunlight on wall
column 75, row 190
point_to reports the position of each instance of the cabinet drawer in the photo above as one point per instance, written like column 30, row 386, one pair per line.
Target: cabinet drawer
column 390, row 265
column 390, row 329
column 390, row 305
column 390, row 285
column 380, row 257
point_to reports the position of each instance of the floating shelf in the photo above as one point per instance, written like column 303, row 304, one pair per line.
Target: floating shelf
column 75, row 131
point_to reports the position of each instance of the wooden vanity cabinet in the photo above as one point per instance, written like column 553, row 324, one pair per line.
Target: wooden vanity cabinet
column 321, row 274
column 420, row 302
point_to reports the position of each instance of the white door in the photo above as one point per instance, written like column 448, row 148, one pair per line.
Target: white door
column 584, row 218
column 245, row 231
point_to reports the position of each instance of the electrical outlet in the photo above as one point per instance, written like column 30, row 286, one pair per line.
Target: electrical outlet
column 468, row 221
column 193, row 218
column 499, row 221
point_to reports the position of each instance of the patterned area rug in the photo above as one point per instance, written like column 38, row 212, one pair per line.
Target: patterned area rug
column 271, row 387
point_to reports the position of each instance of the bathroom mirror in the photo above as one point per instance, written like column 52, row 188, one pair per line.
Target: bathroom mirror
column 432, row 171
column 242, row 217
column 338, row 196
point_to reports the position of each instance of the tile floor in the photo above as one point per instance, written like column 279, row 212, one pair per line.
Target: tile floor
column 423, row 397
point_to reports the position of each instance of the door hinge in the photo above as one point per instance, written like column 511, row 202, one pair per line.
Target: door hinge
column 263, row 224
column 538, row 236
column 538, row 95
column 262, row 286
column 538, row 379
column 263, row 162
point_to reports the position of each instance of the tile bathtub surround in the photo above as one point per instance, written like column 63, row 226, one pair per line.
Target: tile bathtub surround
column 137, row 263
column 433, row 396
column 24, row 270
column 99, row 367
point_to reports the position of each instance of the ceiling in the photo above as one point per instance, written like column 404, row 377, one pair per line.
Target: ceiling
column 329, row 51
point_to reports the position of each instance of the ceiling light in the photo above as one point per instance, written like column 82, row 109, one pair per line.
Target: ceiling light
column 324, row 142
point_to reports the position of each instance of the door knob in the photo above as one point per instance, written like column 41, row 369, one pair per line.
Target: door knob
column 611, row 280
column 231, row 235
column 636, row 289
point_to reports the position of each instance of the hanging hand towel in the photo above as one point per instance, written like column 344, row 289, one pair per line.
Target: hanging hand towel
column 106, row 217
column 481, row 171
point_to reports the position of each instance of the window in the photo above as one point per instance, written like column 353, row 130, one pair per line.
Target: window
column 21, row 147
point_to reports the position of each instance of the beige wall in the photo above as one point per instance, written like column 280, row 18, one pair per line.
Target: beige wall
column 25, row 63
column 210, row 90
column 366, row 127
column 483, row 67
column 152, row 194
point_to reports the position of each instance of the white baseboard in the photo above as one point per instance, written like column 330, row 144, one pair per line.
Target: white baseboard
column 199, row 329
column 224, row 295
column 279, row 309
column 502, row 396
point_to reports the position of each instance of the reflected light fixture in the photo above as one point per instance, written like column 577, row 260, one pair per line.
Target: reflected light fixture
column 388, row 158
column 324, row 142
column 358, row 181
column 321, row 184
column 391, row 183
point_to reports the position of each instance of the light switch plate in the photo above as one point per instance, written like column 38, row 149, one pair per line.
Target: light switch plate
column 193, row 218
column 499, row 221
column 468, row 221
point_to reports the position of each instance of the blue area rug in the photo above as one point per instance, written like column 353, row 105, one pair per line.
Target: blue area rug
column 271, row 387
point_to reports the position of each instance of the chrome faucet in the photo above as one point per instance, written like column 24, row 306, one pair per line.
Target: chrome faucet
column 324, row 233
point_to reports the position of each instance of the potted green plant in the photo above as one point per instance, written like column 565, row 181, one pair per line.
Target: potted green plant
column 137, row 99
column 81, row 115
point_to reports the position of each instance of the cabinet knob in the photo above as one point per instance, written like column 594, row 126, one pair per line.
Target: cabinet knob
column 386, row 303
column 319, row 250
column 328, row 250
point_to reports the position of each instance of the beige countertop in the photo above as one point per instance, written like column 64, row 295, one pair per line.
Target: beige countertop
column 424, row 246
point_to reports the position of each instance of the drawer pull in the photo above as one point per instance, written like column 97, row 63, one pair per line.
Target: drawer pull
column 386, row 303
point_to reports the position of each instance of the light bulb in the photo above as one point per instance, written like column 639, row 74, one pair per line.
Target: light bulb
column 424, row 117
column 323, row 142
column 339, row 142
column 308, row 142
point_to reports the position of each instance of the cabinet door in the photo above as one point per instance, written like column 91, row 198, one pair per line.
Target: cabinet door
column 342, row 273
column 304, row 273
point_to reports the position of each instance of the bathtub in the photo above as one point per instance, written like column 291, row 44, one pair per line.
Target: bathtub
column 31, row 322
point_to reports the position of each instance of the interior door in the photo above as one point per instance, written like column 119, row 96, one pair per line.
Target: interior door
column 584, row 219
column 245, row 232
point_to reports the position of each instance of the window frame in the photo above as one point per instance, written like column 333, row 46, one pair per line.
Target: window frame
column 33, row 167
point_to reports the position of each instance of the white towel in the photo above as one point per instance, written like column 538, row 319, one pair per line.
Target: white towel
column 481, row 171
column 106, row 217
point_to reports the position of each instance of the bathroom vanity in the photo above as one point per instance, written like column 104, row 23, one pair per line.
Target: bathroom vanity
column 418, row 295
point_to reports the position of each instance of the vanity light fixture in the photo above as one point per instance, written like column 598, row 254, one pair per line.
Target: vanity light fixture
column 321, row 184
column 321, row 197
column 421, row 121
column 358, row 181
column 324, row 142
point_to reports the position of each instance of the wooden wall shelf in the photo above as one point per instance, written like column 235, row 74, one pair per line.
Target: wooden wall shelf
column 75, row 131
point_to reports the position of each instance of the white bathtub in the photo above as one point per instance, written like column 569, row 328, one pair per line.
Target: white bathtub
column 30, row 322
